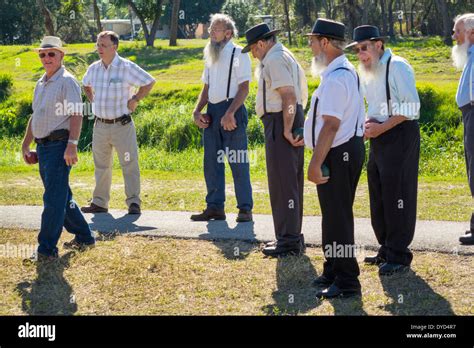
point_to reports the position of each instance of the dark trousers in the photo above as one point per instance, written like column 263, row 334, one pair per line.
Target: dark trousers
column 218, row 144
column 468, row 121
column 336, row 198
column 60, row 209
column 392, row 173
column 285, row 178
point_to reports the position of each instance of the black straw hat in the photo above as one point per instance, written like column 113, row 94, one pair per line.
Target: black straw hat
column 258, row 32
column 366, row 32
column 328, row 28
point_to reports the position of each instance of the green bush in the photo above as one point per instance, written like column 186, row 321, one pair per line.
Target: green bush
column 6, row 85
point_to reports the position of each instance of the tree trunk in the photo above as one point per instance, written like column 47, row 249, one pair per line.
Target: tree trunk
column 365, row 13
column 48, row 18
column 287, row 16
column 443, row 9
column 174, row 23
column 97, row 16
column 383, row 15
column 149, row 34
column 391, row 30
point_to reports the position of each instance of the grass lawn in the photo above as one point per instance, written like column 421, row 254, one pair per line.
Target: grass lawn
column 439, row 198
column 136, row 275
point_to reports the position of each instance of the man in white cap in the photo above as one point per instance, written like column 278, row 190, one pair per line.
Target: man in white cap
column 55, row 126
column 463, row 59
column 110, row 85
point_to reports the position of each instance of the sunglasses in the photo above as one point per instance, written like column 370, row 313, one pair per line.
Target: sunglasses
column 362, row 48
column 50, row 54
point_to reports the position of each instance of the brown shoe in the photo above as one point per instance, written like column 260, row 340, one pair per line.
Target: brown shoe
column 93, row 209
column 244, row 216
column 134, row 208
column 209, row 214
column 75, row 245
column 37, row 258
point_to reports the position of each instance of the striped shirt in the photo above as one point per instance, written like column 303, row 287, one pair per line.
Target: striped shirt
column 54, row 101
column 114, row 86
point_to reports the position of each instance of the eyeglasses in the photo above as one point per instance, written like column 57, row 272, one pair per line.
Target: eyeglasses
column 210, row 31
column 362, row 48
column 103, row 45
column 50, row 54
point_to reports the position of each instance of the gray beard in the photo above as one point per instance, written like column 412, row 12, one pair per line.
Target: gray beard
column 212, row 51
column 368, row 74
column 318, row 65
column 258, row 71
column 459, row 55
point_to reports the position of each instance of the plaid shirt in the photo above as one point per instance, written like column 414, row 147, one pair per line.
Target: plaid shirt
column 114, row 86
column 54, row 100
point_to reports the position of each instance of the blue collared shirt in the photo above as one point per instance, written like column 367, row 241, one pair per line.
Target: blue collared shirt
column 465, row 93
column 403, row 93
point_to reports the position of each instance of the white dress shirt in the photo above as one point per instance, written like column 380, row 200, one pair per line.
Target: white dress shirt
column 338, row 96
column 403, row 93
column 217, row 74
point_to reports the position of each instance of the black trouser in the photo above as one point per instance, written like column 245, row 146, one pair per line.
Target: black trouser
column 392, row 174
column 336, row 198
column 468, row 121
column 285, row 178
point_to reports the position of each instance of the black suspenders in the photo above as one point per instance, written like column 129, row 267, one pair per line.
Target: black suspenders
column 230, row 75
column 387, row 89
column 316, row 107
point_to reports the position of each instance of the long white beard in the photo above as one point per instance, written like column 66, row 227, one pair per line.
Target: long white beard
column 459, row 55
column 368, row 74
column 212, row 51
column 258, row 71
column 319, row 64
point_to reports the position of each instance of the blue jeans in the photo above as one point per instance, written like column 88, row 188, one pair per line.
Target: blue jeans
column 60, row 210
column 219, row 144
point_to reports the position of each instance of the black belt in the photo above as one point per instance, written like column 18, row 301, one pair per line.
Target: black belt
column 122, row 119
column 59, row 134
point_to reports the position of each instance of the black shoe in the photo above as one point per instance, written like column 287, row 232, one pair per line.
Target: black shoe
column 93, row 209
column 335, row 291
column 374, row 260
column 75, row 245
column 322, row 281
column 467, row 239
column 134, row 208
column 279, row 251
column 244, row 216
column 388, row 269
column 209, row 214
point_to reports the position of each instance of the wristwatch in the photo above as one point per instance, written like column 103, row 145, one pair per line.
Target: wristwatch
column 75, row 142
column 134, row 97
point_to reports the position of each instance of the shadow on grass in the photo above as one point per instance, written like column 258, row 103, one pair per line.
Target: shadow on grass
column 411, row 295
column 49, row 293
column 108, row 226
column 234, row 243
column 295, row 293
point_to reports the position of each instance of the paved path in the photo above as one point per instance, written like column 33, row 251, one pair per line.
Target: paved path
column 430, row 235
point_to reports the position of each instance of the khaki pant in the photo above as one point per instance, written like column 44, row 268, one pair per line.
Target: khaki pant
column 124, row 139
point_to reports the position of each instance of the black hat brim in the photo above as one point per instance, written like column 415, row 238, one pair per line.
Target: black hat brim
column 382, row 38
column 326, row 35
column 270, row 33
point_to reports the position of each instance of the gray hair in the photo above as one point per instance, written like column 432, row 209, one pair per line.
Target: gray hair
column 227, row 20
column 339, row 44
column 467, row 19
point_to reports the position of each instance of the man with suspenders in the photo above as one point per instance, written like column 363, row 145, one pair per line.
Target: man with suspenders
column 226, row 80
column 388, row 84
column 281, row 98
column 334, row 130
column 463, row 59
